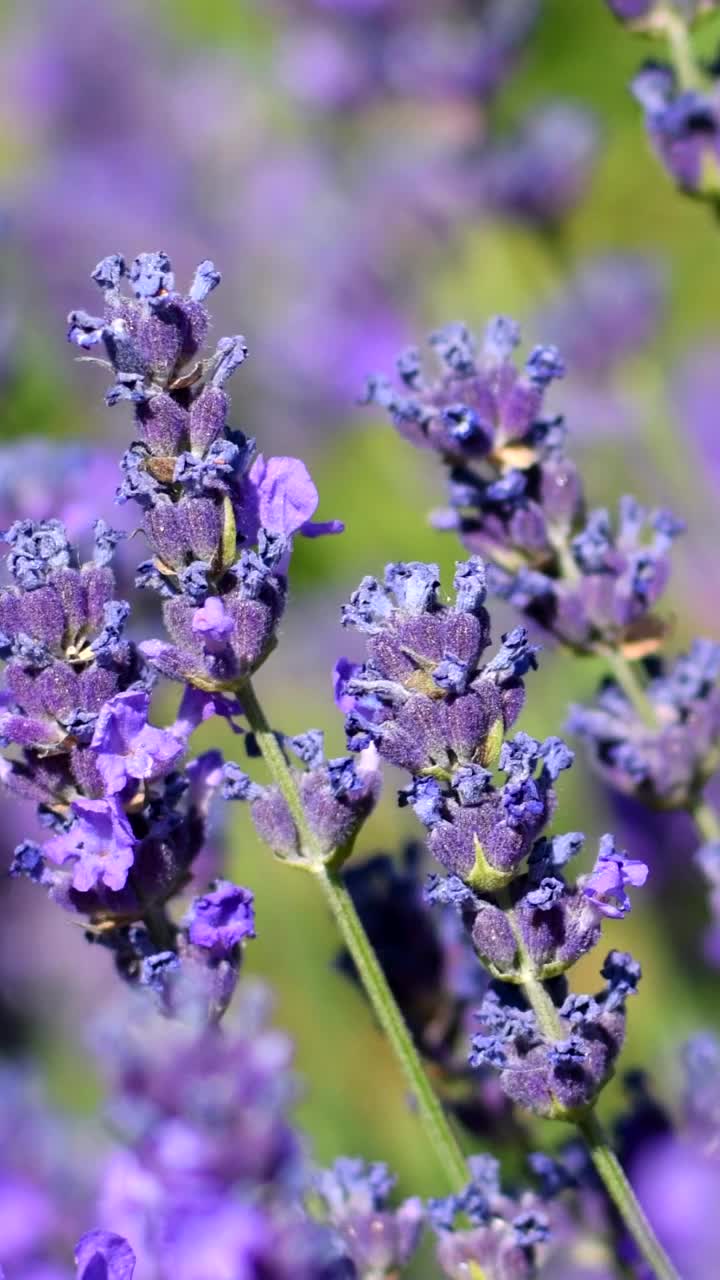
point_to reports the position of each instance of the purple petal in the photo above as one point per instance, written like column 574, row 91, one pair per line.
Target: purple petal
column 101, row 1255
column 286, row 494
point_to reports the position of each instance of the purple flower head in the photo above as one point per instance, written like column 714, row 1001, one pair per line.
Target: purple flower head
column 663, row 763
column 337, row 796
column 354, row 1197
column 101, row 1255
column 127, row 748
column 99, row 845
column 623, row 571
column 613, row 870
column 549, row 1076
column 482, row 409
column 539, row 175
column 608, row 312
column 221, row 918
column 423, row 696
column 683, row 126
column 487, row 1227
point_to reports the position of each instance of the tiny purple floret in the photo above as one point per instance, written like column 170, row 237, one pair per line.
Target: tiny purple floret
column 213, row 624
column 221, row 918
column 127, row 747
column 99, row 845
column 605, row 886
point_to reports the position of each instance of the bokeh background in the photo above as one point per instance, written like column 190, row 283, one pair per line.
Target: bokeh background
column 353, row 203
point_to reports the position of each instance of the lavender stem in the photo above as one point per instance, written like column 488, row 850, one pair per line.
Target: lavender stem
column 606, row 1162
column 626, row 675
column 621, row 1193
column 706, row 820
column 434, row 1119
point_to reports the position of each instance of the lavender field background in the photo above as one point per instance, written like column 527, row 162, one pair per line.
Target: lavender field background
column 352, row 209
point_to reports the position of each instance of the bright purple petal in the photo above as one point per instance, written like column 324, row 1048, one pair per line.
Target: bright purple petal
column 286, row 494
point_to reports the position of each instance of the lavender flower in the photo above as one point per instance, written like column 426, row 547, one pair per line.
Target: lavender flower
column 212, row 1176
column 336, row 796
column 129, row 750
column 431, row 704
column 667, row 762
column 516, row 497
column 605, row 886
column 682, row 125
column 483, row 1225
column 354, row 1200
column 541, row 174
column 220, row 529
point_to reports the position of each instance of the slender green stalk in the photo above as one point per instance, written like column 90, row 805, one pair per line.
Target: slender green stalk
column 706, row 820
column 393, row 1024
column 625, row 672
column 618, row 1188
column 274, row 758
column 689, row 73
column 604, row 1159
column 430, row 1109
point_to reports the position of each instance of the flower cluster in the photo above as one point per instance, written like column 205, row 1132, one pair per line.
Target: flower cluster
column 683, row 126
column 335, row 797
column 652, row 731
column 516, row 497
column 211, row 1177
column 539, row 174
column 431, row 704
column 665, row 756
column 340, row 56
column 127, row 819
column 485, row 1226
column 219, row 525
column 678, row 97
column 354, row 1197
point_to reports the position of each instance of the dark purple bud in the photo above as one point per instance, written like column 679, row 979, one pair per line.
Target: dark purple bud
column 151, row 275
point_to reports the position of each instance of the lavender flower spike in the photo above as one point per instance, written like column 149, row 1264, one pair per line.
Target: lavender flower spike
column 219, row 525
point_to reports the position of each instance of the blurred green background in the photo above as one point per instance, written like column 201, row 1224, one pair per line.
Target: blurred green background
column 353, row 1099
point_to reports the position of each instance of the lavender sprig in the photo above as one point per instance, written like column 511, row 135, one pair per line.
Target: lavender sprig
column 433, row 703
column 678, row 97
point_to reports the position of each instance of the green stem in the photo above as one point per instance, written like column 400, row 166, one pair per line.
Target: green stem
column 706, row 820
column 431, row 1111
column 621, row 1193
column 625, row 672
column 689, row 75
column 436, row 1123
column 274, row 757
column 604, row 1159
